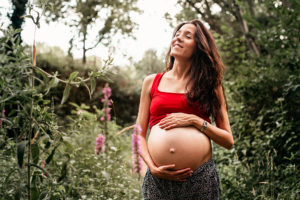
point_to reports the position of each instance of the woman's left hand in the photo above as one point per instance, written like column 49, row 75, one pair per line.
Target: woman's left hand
column 176, row 120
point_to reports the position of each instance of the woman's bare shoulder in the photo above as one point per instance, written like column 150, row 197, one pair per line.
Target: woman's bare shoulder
column 149, row 78
column 148, row 81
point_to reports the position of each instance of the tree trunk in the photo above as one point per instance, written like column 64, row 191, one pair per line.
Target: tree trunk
column 251, row 7
column 19, row 10
column 245, row 29
column 19, row 7
column 84, row 49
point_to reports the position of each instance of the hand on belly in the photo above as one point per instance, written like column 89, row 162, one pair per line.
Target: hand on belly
column 186, row 147
column 168, row 172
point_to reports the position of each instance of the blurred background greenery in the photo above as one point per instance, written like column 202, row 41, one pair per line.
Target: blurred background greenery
column 259, row 44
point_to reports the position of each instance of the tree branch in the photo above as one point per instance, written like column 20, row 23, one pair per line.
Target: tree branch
column 245, row 29
column 97, row 43
column 210, row 19
column 195, row 7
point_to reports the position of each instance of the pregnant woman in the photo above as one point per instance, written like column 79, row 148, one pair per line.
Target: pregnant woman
column 177, row 105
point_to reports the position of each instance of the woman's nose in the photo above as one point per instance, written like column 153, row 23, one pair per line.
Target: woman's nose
column 179, row 38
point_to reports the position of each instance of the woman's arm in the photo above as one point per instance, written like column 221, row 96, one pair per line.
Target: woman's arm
column 166, row 171
column 220, row 134
column 143, row 118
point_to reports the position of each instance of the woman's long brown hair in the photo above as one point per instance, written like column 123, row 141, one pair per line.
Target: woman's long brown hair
column 206, row 71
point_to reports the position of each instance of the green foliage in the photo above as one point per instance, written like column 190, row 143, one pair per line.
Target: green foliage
column 50, row 57
column 111, row 17
column 41, row 160
column 28, row 120
column 264, row 110
column 149, row 64
column 125, row 96
column 127, row 83
column 262, row 93
column 102, row 176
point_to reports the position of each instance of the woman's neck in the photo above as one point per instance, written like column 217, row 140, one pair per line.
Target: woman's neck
column 180, row 69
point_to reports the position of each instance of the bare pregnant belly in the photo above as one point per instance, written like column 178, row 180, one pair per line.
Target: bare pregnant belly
column 184, row 147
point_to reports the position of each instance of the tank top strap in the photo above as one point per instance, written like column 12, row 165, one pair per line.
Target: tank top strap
column 155, row 83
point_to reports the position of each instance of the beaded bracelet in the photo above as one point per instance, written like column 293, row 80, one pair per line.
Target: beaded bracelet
column 204, row 126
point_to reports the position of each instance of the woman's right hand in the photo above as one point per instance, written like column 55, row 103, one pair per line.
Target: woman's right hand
column 168, row 172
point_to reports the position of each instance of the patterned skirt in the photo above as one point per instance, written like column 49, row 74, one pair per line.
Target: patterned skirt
column 202, row 185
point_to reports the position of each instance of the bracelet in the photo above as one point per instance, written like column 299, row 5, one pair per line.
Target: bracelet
column 204, row 126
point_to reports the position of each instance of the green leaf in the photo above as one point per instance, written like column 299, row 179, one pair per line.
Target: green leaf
column 67, row 142
column 63, row 173
column 50, row 156
column 34, row 193
column 47, row 144
column 43, row 195
column 18, row 194
column 88, row 89
column 72, row 76
column 54, row 81
column 20, row 152
column 66, row 94
column 35, row 152
column 35, row 178
column 93, row 85
column 39, row 71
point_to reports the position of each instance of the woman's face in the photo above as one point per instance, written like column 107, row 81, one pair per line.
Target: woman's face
column 183, row 43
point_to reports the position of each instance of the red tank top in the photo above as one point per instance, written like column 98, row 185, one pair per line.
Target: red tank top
column 163, row 103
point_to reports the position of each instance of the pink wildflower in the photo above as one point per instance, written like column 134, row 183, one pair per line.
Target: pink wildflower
column 3, row 115
column 107, row 102
column 108, row 117
column 43, row 166
column 136, row 149
column 106, row 91
column 100, row 144
column 137, row 128
column 79, row 112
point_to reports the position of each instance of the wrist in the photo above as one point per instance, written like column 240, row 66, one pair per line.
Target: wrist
column 204, row 126
column 152, row 166
column 195, row 121
column 153, row 169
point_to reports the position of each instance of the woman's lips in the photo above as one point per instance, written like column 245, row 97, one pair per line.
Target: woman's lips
column 178, row 45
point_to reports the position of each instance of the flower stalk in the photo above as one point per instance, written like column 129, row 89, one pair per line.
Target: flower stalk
column 100, row 146
column 136, row 149
column 106, row 107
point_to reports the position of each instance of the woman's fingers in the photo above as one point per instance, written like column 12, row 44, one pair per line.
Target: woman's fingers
column 181, row 171
column 168, row 172
column 167, row 123
column 184, row 176
column 175, row 120
column 167, row 167
column 166, row 126
column 181, row 177
column 187, row 174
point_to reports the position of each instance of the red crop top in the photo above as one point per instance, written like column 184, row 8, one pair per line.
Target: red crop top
column 163, row 103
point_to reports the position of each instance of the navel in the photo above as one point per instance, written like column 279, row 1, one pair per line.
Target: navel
column 172, row 150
